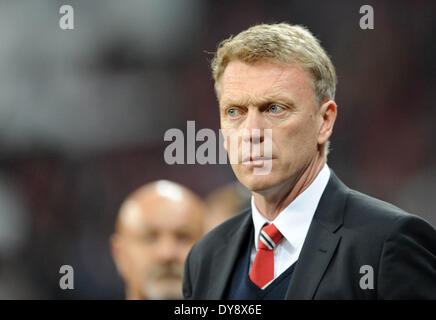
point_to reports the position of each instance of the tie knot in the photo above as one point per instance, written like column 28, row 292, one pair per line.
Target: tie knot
column 270, row 236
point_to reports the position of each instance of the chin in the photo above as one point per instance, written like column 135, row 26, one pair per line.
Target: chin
column 164, row 290
column 258, row 183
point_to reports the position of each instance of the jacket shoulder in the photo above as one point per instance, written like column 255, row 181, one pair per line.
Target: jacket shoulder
column 373, row 216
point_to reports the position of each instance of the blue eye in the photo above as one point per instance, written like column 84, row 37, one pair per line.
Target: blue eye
column 233, row 112
column 275, row 108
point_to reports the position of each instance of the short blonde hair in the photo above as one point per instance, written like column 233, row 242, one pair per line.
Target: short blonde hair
column 282, row 43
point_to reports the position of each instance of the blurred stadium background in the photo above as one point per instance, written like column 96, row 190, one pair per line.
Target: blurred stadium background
column 83, row 114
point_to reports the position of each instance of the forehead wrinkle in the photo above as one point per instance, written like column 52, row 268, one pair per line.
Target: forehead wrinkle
column 238, row 100
column 272, row 94
column 278, row 86
column 282, row 84
column 275, row 92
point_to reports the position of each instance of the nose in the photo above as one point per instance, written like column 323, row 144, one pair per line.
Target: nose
column 166, row 250
column 253, row 127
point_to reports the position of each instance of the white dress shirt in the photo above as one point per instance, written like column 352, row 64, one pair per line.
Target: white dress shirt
column 293, row 222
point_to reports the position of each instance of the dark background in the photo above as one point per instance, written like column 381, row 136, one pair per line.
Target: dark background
column 83, row 113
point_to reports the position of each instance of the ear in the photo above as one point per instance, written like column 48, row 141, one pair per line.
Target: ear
column 328, row 112
column 117, row 254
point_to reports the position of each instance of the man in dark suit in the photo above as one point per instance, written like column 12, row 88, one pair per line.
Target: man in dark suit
column 306, row 235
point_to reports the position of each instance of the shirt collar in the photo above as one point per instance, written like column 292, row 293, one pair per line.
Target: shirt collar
column 294, row 221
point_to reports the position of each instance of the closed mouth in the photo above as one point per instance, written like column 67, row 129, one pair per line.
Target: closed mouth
column 255, row 160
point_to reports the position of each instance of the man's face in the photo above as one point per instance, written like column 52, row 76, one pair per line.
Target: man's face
column 154, row 244
column 279, row 97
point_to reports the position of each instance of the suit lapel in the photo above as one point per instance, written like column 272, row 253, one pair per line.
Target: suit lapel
column 320, row 243
column 225, row 257
column 312, row 263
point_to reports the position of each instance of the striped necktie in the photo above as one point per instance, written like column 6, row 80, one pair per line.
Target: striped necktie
column 262, row 270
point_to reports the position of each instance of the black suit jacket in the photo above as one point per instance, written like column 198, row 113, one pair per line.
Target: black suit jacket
column 349, row 230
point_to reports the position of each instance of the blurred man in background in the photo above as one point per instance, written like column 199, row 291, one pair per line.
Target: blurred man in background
column 225, row 202
column 156, row 227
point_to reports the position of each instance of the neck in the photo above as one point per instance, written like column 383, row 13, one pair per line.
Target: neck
column 272, row 201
